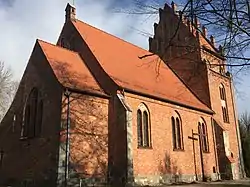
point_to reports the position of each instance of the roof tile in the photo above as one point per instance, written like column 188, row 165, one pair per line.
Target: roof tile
column 69, row 68
column 149, row 75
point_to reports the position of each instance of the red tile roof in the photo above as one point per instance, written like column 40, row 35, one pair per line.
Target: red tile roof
column 121, row 61
column 69, row 68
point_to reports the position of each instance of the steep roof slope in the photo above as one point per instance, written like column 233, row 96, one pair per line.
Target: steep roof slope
column 149, row 75
column 69, row 68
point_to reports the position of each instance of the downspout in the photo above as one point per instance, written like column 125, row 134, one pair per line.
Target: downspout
column 242, row 168
column 67, row 149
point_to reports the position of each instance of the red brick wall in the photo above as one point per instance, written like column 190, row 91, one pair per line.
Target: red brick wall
column 215, row 80
column 75, row 42
column 180, row 49
column 88, row 134
column 35, row 158
column 151, row 161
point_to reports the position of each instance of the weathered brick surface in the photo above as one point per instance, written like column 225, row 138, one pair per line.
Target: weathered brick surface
column 197, row 62
column 155, row 160
column 88, row 135
column 215, row 80
column 99, row 126
column 35, row 158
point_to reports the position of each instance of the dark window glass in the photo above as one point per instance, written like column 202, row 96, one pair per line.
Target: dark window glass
column 39, row 118
column 174, row 132
column 33, row 112
column 31, row 126
column 145, row 127
column 139, row 128
column 26, row 121
column 204, row 133
column 178, row 133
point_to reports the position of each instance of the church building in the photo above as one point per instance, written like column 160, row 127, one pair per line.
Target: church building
column 95, row 109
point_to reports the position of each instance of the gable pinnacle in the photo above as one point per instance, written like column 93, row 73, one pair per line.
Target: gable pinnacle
column 174, row 7
column 70, row 13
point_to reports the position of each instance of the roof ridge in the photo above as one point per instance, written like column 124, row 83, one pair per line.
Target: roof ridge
column 127, row 42
column 54, row 45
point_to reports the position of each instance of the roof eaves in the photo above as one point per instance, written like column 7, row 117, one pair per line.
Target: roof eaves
column 86, row 92
column 169, row 101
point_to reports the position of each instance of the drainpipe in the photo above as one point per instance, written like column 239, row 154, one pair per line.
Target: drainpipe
column 242, row 168
column 67, row 95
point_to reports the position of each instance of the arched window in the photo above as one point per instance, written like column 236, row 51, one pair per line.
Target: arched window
column 33, row 111
column 26, row 121
column 222, row 92
column 177, row 132
column 143, row 127
column 139, row 128
column 173, row 132
column 39, row 118
column 33, row 115
column 146, row 128
column 224, row 103
column 202, row 129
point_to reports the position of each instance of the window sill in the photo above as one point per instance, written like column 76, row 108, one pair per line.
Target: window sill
column 144, row 147
column 206, row 152
column 23, row 138
column 27, row 138
column 179, row 150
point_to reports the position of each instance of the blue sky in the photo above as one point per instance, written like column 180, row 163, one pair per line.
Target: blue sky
column 23, row 21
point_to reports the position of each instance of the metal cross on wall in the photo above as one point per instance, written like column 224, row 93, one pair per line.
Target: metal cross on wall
column 200, row 135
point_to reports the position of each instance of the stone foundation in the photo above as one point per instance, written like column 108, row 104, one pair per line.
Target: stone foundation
column 170, row 179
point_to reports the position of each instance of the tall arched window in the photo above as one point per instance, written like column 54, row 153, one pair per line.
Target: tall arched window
column 33, row 111
column 224, row 103
column 33, row 115
column 26, row 121
column 202, row 129
column 174, row 132
column 139, row 128
column 177, row 135
column 39, row 118
column 143, row 126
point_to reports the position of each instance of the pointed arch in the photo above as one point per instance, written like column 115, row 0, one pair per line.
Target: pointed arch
column 202, row 129
column 143, row 126
column 32, row 115
column 139, row 128
column 38, row 128
column 222, row 92
column 177, row 133
column 224, row 103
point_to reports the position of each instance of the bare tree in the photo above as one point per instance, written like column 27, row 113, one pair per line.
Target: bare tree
column 8, row 88
column 244, row 122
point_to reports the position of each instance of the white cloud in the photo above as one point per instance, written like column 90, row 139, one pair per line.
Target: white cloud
column 23, row 21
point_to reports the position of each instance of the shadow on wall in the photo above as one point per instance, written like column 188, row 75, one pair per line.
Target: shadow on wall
column 170, row 173
column 224, row 164
column 88, row 130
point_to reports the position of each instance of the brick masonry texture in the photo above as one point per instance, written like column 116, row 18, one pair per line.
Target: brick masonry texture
column 103, row 128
